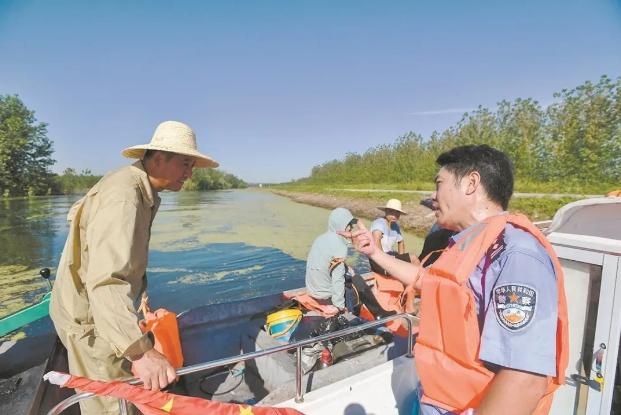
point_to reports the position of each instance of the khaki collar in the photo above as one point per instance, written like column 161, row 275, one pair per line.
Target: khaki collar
column 148, row 193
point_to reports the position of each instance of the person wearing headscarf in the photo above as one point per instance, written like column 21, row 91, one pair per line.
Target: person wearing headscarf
column 325, row 264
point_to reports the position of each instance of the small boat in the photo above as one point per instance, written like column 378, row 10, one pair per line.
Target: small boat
column 27, row 315
column 224, row 335
column 229, row 357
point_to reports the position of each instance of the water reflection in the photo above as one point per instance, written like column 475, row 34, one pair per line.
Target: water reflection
column 28, row 228
column 32, row 233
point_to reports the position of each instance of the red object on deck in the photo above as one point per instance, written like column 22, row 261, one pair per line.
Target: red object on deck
column 163, row 403
column 326, row 357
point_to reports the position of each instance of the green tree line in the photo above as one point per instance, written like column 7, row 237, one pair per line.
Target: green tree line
column 25, row 150
column 72, row 182
column 574, row 143
column 202, row 179
column 26, row 158
column 212, row 179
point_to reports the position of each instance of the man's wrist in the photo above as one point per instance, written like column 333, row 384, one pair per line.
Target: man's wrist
column 139, row 347
column 135, row 357
column 376, row 254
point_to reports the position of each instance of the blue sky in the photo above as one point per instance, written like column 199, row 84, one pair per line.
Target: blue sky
column 273, row 88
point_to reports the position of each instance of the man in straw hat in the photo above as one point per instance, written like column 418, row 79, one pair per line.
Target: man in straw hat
column 387, row 233
column 386, row 229
column 101, row 273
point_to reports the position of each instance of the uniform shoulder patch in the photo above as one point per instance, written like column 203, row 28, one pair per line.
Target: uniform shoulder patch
column 514, row 305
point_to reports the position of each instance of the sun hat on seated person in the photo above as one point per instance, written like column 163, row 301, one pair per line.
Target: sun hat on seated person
column 393, row 204
column 174, row 137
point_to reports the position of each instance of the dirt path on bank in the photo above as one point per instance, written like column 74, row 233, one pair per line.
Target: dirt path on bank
column 427, row 193
column 418, row 220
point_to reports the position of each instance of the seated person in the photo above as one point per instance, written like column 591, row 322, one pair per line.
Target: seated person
column 436, row 240
column 387, row 234
column 325, row 265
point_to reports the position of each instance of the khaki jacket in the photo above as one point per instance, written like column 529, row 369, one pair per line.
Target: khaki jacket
column 102, row 270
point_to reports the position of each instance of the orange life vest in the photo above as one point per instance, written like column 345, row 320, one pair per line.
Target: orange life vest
column 448, row 343
column 163, row 324
column 311, row 303
column 392, row 295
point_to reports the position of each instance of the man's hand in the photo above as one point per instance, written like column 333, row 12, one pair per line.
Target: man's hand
column 331, row 310
column 154, row 370
column 362, row 239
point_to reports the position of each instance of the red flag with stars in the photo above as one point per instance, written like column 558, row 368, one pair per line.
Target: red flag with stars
column 158, row 402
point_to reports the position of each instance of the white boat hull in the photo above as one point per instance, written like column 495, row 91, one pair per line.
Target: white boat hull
column 387, row 389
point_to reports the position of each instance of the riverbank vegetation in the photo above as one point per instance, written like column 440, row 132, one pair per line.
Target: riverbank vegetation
column 71, row 182
column 26, row 159
column 419, row 220
column 572, row 145
column 25, row 150
column 212, row 179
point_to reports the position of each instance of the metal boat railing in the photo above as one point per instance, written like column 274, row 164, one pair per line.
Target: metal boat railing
column 253, row 355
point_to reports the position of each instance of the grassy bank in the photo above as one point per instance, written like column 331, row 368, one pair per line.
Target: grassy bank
column 520, row 187
column 418, row 221
column 536, row 208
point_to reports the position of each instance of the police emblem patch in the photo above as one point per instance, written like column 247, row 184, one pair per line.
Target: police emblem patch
column 514, row 305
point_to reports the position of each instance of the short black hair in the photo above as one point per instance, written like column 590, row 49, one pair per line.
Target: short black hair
column 494, row 167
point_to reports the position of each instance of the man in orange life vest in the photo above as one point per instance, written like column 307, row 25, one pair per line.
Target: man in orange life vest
column 493, row 332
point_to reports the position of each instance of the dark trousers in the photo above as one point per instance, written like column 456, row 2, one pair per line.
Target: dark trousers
column 379, row 270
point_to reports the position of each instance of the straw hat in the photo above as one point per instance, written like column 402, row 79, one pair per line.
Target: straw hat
column 394, row 204
column 174, row 137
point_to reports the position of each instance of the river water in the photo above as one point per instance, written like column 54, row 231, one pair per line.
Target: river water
column 206, row 247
